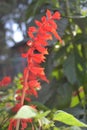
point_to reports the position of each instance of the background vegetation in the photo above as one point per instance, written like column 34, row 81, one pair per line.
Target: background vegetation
column 66, row 65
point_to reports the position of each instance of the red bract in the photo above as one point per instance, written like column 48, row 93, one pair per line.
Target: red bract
column 12, row 124
column 16, row 107
column 5, row 81
column 33, row 73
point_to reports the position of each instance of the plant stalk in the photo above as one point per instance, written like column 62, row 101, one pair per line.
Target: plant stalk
column 22, row 100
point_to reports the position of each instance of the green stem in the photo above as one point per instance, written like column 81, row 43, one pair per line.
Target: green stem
column 40, row 124
column 18, row 124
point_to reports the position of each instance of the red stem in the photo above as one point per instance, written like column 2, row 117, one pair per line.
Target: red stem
column 23, row 97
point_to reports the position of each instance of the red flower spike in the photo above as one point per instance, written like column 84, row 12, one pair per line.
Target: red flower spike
column 33, row 72
column 5, row 81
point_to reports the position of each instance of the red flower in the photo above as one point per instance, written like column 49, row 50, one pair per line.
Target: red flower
column 16, row 107
column 12, row 124
column 33, row 72
column 39, row 36
column 5, row 81
column 56, row 15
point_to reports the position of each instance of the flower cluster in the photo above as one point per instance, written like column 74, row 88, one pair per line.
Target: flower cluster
column 37, row 50
column 5, row 81
column 33, row 73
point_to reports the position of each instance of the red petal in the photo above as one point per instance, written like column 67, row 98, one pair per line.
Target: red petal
column 53, row 24
column 38, row 58
column 23, row 124
column 37, row 70
column 16, row 107
column 48, row 14
column 6, row 81
column 24, row 55
column 34, row 92
column 12, row 124
column 32, row 29
column 29, row 43
column 57, row 36
column 43, row 77
column 48, row 36
column 41, row 49
column 56, row 15
column 32, row 76
column 30, row 34
column 27, row 99
column 38, row 23
column 43, row 19
column 18, row 98
column 34, row 83
column 25, row 71
column 18, row 91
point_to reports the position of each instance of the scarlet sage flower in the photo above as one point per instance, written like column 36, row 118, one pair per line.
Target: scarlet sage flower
column 33, row 72
column 5, row 81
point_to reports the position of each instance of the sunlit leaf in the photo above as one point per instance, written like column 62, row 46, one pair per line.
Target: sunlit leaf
column 55, row 128
column 45, row 121
column 26, row 112
column 67, row 119
column 75, row 99
column 42, row 114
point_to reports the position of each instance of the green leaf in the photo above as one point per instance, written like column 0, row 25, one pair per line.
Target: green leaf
column 73, row 67
column 74, row 128
column 75, row 100
column 45, row 121
column 55, row 128
column 40, row 106
column 26, row 112
column 70, row 69
column 64, row 94
column 67, row 119
column 42, row 114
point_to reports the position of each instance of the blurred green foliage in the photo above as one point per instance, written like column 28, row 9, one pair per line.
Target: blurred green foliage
column 66, row 65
